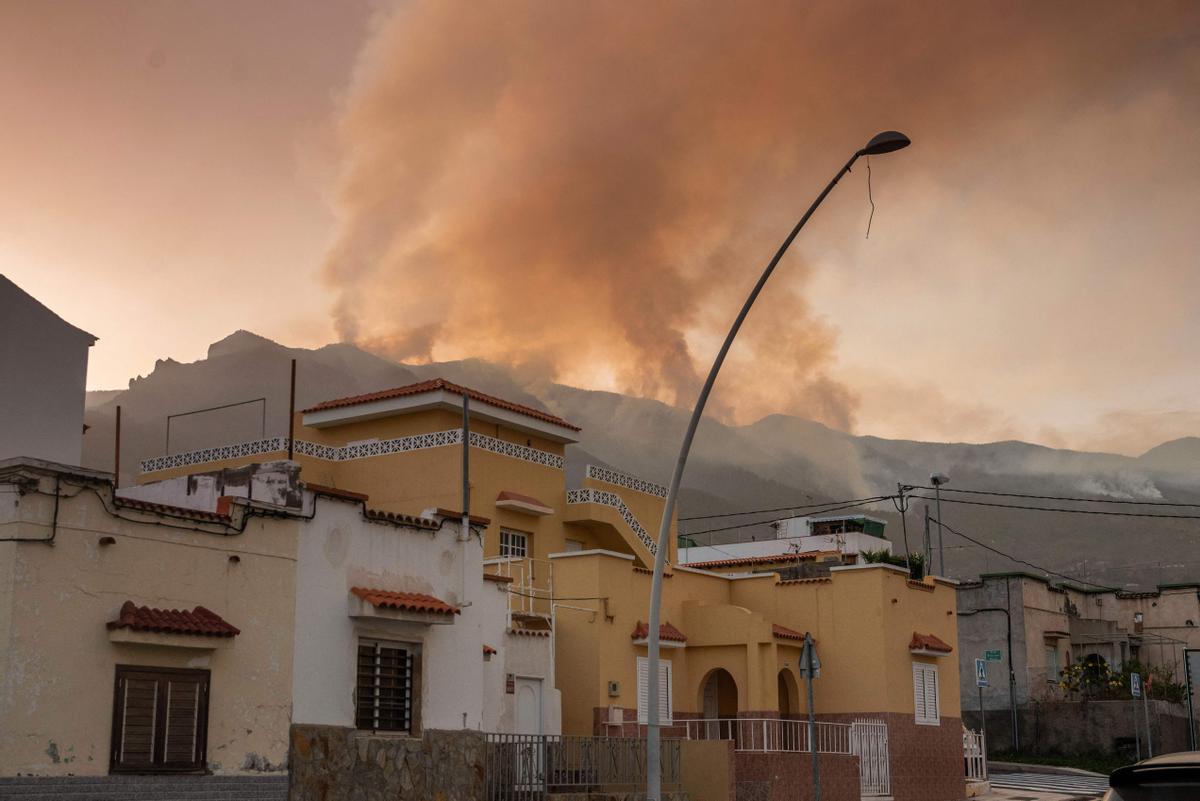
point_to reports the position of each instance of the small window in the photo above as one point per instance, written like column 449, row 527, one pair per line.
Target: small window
column 160, row 720
column 514, row 544
column 1052, row 667
column 666, row 707
column 385, row 696
column 925, row 694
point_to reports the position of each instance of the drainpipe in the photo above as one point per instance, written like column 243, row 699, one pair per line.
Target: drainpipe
column 1012, row 674
column 464, row 536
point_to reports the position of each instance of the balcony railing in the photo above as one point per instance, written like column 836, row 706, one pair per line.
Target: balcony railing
column 524, row 766
column 532, row 586
column 754, row 734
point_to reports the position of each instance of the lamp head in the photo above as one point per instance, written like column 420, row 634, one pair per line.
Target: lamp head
column 885, row 142
column 938, row 479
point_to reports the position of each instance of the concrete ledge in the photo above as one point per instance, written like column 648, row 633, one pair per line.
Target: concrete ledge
column 1025, row 767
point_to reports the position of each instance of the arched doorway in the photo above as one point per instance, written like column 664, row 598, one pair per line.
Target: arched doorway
column 719, row 695
column 789, row 694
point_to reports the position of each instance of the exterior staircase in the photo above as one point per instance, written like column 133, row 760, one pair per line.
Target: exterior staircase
column 144, row 788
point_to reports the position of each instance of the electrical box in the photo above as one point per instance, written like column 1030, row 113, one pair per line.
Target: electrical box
column 614, row 689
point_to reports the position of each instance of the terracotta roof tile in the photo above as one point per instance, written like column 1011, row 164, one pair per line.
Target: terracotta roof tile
column 665, row 632
column 813, row 580
column 530, row 632
column 168, row 509
column 762, row 560
column 405, row 601
column 489, row 650
column 783, row 632
column 441, row 384
column 516, row 497
column 928, row 642
column 199, row 621
column 395, row 518
column 497, row 577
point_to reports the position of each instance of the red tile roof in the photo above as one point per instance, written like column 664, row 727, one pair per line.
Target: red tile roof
column 814, row 580
column 169, row 510
column 928, row 642
column 395, row 518
column 489, row 650
column 199, row 621
column 442, row 384
column 497, row 577
column 509, row 495
column 785, row 633
column 761, row 560
column 405, row 601
column 665, row 632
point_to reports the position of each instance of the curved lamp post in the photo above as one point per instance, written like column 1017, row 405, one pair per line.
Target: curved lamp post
column 885, row 142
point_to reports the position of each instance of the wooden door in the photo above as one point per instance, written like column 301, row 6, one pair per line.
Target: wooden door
column 160, row 720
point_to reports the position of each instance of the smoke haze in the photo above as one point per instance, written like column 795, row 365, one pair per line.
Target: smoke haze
column 589, row 189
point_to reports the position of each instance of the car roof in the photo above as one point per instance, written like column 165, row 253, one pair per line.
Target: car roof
column 1178, row 758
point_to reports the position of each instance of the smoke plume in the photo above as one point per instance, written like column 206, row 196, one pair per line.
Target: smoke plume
column 590, row 189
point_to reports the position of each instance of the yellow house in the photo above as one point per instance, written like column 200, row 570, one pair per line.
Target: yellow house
column 578, row 562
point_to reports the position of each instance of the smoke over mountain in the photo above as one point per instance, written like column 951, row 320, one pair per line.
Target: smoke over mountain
column 585, row 191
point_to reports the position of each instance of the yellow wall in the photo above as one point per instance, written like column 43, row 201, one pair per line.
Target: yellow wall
column 862, row 620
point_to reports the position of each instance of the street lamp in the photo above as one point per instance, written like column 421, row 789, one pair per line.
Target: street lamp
column 881, row 143
column 938, row 479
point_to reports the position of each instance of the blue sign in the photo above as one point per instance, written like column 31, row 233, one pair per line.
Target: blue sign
column 1135, row 685
column 981, row 673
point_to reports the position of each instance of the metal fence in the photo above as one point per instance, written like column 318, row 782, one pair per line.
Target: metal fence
column 869, row 742
column 520, row 767
column 974, row 755
column 770, row 734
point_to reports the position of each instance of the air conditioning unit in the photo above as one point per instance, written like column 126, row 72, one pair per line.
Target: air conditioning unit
column 614, row 689
column 616, row 715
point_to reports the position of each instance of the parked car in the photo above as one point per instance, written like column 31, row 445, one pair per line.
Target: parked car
column 1171, row 777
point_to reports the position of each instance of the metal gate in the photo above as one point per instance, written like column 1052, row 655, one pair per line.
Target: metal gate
column 869, row 742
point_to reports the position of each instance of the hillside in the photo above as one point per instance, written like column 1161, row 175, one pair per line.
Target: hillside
column 778, row 461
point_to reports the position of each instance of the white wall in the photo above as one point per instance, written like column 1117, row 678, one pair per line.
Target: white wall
column 43, row 380
column 339, row 549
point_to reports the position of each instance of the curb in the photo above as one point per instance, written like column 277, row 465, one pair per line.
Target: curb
column 1025, row 767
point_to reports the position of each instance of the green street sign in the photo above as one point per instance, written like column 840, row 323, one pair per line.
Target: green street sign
column 992, row 656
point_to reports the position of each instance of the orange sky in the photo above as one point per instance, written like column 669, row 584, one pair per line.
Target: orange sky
column 589, row 189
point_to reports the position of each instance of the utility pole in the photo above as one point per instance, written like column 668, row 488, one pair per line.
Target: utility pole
column 902, row 508
column 928, row 545
column 810, row 668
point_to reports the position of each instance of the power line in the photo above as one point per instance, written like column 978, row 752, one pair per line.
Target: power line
column 784, row 508
column 1061, row 497
column 999, row 552
column 762, row 522
column 1059, row 509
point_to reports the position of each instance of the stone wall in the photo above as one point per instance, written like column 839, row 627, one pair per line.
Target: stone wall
column 331, row 763
column 1071, row 728
column 787, row 776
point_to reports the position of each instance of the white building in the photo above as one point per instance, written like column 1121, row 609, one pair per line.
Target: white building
column 844, row 534
column 403, row 598
column 43, row 380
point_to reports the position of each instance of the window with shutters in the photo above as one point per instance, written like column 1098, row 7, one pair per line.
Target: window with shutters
column 925, row 694
column 386, row 694
column 160, row 720
column 666, row 706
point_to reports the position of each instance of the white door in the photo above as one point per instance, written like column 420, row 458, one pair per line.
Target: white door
column 529, row 706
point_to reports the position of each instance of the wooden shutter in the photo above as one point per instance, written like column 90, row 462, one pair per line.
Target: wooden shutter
column 160, row 718
column 665, row 705
column 925, row 693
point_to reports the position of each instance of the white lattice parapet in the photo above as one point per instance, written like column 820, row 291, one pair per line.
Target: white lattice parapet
column 620, row 479
column 220, row 453
column 606, row 498
column 357, row 450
